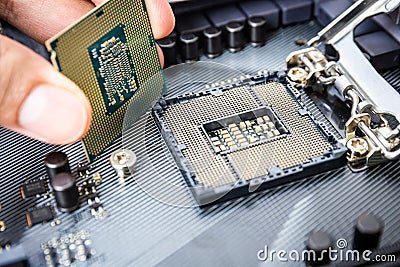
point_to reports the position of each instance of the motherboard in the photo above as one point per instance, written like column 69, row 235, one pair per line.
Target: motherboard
column 249, row 151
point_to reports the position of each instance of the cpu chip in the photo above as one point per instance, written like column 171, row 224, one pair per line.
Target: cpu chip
column 111, row 55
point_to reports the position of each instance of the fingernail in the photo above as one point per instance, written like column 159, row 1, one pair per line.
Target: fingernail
column 53, row 115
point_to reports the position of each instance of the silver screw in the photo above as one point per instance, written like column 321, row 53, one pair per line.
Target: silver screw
column 123, row 161
column 358, row 147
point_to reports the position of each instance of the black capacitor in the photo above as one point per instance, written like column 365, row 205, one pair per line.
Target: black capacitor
column 212, row 42
column 168, row 46
column 319, row 241
column 367, row 232
column 56, row 162
column 65, row 191
column 257, row 30
column 235, row 36
column 190, row 47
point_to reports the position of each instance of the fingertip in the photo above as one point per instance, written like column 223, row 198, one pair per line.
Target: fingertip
column 58, row 80
column 97, row 2
column 54, row 115
column 38, row 101
column 161, row 17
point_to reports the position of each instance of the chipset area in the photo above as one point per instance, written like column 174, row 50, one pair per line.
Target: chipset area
column 245, row 137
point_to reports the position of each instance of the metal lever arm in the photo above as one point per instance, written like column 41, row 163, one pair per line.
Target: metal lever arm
column 339, row 34
column 351, row 18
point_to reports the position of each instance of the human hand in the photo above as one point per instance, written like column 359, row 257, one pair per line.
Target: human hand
column 35, row 99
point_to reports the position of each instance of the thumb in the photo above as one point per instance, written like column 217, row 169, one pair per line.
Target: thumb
column 36, row 100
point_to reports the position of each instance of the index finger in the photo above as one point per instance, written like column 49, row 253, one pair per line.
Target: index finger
column 42, row 19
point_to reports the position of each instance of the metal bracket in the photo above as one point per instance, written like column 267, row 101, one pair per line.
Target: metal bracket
column 339, row 34
column 357, row 80
column 351, row 18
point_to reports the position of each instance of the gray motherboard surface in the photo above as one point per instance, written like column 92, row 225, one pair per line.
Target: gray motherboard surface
column 127, row 224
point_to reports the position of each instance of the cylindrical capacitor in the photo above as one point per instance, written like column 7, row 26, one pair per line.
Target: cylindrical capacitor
column 319, row 242
column 190, row 47
column 257, row 30
column 168, row 46
column 123, row 161
column 367, row 232
column 212, row 42
column 235, row 36
column 56, row 162
column 65, row 191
